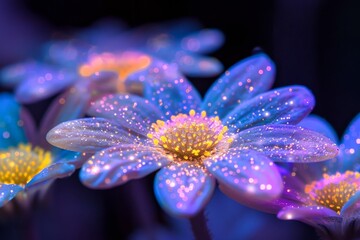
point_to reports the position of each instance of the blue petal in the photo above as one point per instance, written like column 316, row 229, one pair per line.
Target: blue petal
column 11, row 127
column 203, row 41
column 183, row 189
column 351, row 207
column 243, row 81
column 197, row 66
column 130, row 111
column 8, row 192
column 249, row 174
column 117, row 165
column 319, row 124
column 287, row 143
column 166, row 88
column 13, row 75
column 286, row 105
column 54, row 171
column 44, row 83
column 350, row 145
column 89, row 135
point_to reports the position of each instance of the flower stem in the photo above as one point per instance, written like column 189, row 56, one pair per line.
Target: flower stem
column 199, row 226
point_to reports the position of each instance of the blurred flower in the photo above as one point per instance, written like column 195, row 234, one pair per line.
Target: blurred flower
column 67, row 62
column 194, row 142
column 27, row 164
column 324, row 195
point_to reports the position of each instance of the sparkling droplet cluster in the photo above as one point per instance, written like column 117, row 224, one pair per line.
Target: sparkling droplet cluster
column 19, row 165
column 190, row 137
column 333, row 191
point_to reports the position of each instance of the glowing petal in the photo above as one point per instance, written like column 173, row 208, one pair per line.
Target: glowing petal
column 54, row 171
column 12, row 75
column 350, row 145
column 89, row 135
column 166, row 88
column 183, row 189
column 248, row 174
column 319, row 124
column 287, row 143
column 244, row 80
column 11, row 126
column 203, row 41
column 8, row 192
column 43, row 84
column 312, row 215
column 117, row 165
column 351, row 207
column 286, row 105
column 129, row 111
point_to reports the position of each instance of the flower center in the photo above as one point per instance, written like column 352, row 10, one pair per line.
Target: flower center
column 124, row 64
column 192, row 137
column 19, row 165
column 333, row 191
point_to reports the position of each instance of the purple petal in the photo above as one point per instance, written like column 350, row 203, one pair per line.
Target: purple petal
column 8, row 192
column 320, row 125
column 44, row 83
column 89, row 135
column 286, row 105
column 119, row 164
column 183, row 189
column 54, row 171
column 166, row 88
column 287, row 143
column 203, row 41
column 350, row 145
column 312, row 215
column 243, row 81
column 129, row 111
column 12, row 75
column 248, row 174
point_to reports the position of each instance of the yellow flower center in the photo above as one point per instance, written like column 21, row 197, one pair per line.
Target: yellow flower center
column 19, row 165
column 191, row 137
column 124, row 64
column 333, row 191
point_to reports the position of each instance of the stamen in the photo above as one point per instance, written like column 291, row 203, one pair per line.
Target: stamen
column 19, row 165
column 191, row 137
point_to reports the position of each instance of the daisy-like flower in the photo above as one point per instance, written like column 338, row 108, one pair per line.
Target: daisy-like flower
column 63, row 62
column 232, row 136
column 27, row 164
column 324, row 195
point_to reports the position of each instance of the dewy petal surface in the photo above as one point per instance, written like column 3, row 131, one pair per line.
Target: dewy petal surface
column 8, row 192
column 247, row 173
column 11, row 126
column 116, row 165
column 129, row 111
column 43, row 84
column 166, row 88
column 286, row 105
column 287, row 143
column 243, row 81
column 89, row 135
column 183, row 189
column 350, row 145
column 320, row 125
column 54, row 171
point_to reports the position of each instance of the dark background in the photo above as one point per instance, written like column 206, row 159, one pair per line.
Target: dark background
column 313, row 43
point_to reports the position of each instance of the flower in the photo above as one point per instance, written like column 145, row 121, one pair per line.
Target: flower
column 63, row 62
column 27, row 163
column 324, row 195
column 195, row 142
